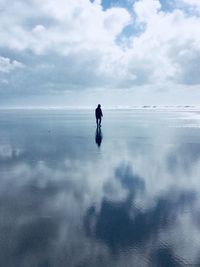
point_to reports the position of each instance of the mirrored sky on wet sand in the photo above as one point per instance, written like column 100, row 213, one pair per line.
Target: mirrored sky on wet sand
column 132, row 199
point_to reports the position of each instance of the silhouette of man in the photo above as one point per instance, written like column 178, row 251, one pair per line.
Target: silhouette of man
column 98, row 114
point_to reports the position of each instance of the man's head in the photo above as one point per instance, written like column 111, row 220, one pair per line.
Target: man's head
column 99, row 105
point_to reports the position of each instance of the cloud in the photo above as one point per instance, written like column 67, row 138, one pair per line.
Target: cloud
column 6, row 65
column 146, row 9
column 63, row 26
column 84, row 46
column 162, row 43
column 126, row 207
column 193, row 5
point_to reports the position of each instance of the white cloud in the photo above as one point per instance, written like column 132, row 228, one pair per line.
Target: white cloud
column 84, row 43
column 6, row 65
column 70, row 24
column 192, row 2
column 115, row 20
column 146, row 9
column 165, row 37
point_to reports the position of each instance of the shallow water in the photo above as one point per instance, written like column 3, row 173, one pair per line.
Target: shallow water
column 125, row 195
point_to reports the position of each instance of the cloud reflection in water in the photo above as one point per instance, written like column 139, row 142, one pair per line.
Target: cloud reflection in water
column 62, row 202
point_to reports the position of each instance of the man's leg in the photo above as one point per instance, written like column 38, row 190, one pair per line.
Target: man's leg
column 100, row 121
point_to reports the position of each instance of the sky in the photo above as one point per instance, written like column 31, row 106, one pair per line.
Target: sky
column 120, row 53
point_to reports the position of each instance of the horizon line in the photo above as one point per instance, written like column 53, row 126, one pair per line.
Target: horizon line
column 93, row 107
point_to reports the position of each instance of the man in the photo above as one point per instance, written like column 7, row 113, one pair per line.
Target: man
column 98, row 114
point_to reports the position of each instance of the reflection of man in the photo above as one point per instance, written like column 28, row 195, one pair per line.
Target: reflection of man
column 98, row 137
column 98, row 114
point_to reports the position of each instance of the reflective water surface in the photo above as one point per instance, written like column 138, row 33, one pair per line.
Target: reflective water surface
column 127, row 194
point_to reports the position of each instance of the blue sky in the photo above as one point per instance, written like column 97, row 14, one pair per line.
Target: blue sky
column 120, row 3
column 166, row 5
column 79, row 53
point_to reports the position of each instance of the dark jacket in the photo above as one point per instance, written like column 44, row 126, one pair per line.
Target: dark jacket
column 98, row 113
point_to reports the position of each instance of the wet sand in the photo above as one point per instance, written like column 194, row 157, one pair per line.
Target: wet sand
column 125, row 195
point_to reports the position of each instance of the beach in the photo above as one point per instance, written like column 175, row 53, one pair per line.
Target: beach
column 125, row 195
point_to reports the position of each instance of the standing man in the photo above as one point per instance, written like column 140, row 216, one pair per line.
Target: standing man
column 98, row 114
